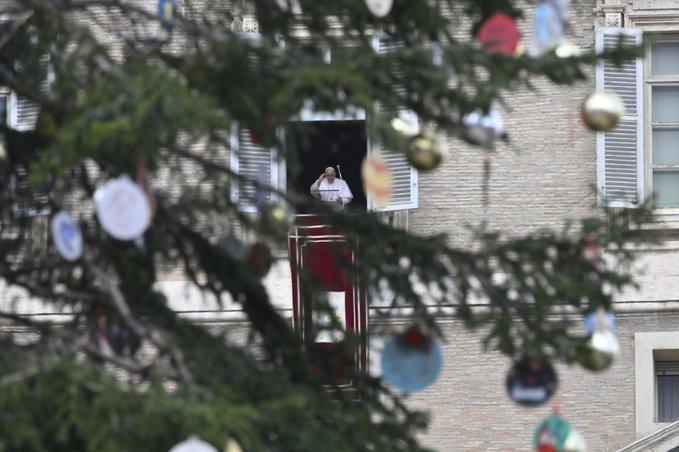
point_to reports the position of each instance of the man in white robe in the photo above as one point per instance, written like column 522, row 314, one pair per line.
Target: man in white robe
column 331, row 189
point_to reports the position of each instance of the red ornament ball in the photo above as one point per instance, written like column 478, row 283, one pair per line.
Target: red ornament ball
column 499, row 34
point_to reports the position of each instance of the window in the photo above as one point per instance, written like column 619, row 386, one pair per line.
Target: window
column 662, row 87
column 620, row 152
column 256, row 162
column 667, row 388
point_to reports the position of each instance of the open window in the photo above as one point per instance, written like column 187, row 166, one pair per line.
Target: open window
column 341, row 144
column 323, row 139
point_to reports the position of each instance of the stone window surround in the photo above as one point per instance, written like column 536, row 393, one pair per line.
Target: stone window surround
column 653, row 17
column 648, row 347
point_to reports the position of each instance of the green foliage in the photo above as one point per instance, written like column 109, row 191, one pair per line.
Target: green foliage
column 167, row 100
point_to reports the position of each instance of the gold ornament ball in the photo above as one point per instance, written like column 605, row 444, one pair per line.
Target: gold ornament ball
column 424, row 153
column 602, row 350
column 602, row 110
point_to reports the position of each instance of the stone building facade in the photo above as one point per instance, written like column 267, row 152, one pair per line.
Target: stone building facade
column 546, row 175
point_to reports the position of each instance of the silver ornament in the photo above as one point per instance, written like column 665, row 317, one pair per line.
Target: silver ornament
column 602, row 350
column 406, row 124
column 602, row 110
column 575, row 442
column 568, row 50
column 483, row 129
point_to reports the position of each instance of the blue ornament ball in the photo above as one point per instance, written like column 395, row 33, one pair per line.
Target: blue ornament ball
column 409, row 368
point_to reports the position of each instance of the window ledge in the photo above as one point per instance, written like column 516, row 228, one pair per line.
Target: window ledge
column 665, row 220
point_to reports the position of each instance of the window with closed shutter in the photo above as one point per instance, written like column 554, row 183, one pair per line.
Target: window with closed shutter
column 23, row 113
column 403, row 176
column 256, row 164
column 620, row 152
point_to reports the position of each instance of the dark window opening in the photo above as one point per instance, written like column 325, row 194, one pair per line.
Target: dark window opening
column 319, row 144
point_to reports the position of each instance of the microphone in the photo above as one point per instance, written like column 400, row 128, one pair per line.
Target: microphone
column 339, row 171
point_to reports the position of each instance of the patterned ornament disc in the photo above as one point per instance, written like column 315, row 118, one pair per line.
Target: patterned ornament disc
column 68, row 238
column 410, row 368
column 377, row 179
column 531, row 381
column 122, row 208
column 551, row 434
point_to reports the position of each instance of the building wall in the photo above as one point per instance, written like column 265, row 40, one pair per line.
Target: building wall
column 545, row 175
column 470, row 410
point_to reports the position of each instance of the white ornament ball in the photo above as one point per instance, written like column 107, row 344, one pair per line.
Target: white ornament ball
column 379, row 8
column 193, row 444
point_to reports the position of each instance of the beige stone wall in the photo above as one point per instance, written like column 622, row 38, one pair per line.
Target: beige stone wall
column 545, row 175
column 470, row 410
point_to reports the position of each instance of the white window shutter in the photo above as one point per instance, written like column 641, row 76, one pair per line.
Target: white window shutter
column 403, row 175
column 23, row 114
column 254, row 162
column 620, row 152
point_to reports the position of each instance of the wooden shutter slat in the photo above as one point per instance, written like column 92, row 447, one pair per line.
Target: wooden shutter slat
column 620, row 153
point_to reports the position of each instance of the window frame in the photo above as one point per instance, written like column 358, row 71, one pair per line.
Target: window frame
column 651, row 81
column 7, row 94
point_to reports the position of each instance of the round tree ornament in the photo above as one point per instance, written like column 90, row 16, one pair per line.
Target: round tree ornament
column 193, row 444
column 424, row 153
column 531, row 381
column 575, row 442
column 379, row 8
column 482, row 128
column 406, row 124
column 602, row 110
column 499, row 34
column 67, row 237
column 122, row 208
column 602, row 350
column 166, row 12
column 551, row 434
column 603, row 347
column 377, row 179
column 411, row 361
column 232, row 446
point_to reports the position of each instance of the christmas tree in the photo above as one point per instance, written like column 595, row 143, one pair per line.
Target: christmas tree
column 116, row 174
